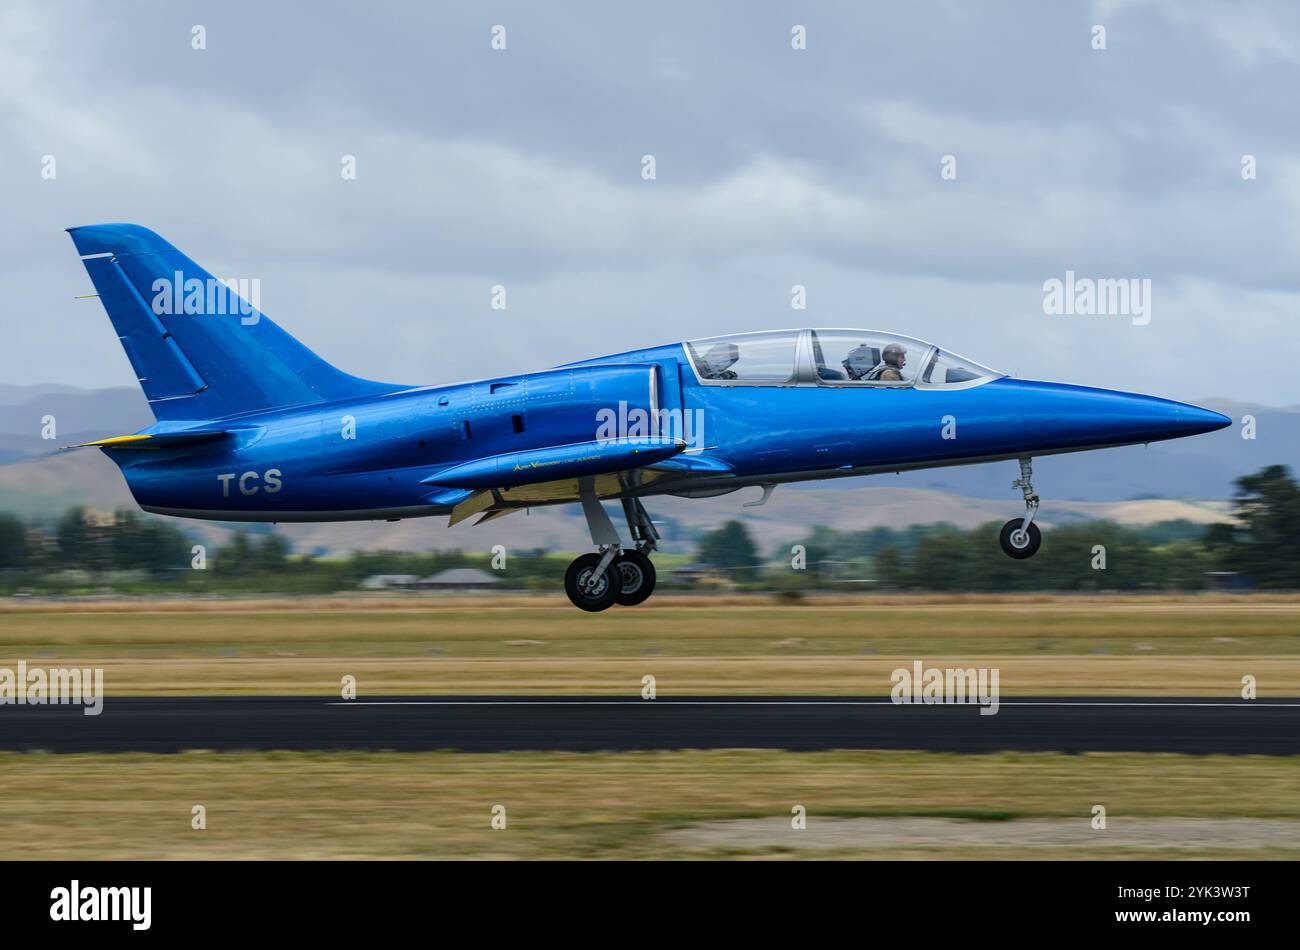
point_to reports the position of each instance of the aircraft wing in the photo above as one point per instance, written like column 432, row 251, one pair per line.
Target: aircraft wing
column 511, row 469
column 496, row 485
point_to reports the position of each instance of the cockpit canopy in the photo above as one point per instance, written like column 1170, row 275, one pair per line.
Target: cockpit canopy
column 832, row 358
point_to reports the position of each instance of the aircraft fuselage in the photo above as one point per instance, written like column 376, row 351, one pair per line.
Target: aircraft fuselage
column 372, row 458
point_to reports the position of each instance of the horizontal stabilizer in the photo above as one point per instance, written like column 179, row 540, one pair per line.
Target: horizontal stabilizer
column 556, row 462
column 160, row 440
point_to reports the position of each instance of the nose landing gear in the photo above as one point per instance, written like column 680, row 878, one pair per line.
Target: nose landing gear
column 613, row 575
column 1020, row 537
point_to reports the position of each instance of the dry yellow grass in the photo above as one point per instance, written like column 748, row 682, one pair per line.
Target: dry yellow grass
column 677, row 676
column 437, row 805
column 389, row 602
column 1104, row 646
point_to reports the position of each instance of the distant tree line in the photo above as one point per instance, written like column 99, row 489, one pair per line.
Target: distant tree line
column 124, row 541
column 130, row 552
column 1260, row 549
column 1264, row 544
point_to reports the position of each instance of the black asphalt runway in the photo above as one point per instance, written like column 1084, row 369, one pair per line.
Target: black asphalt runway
column 589, row 724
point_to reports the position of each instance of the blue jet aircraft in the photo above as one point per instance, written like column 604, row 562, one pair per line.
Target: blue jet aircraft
column 253, row 426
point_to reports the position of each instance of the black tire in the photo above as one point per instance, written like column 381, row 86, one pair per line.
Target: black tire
column 601, row 597
column 638, row 576
column 1017, row 544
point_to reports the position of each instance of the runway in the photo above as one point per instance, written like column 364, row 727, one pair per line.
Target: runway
column 591, row 724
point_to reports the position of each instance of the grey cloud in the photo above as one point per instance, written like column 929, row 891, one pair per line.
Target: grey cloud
column 775, row 168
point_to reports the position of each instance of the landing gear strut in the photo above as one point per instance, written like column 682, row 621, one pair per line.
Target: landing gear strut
column 1020, row 537
column 613, row 575
column 635, row 566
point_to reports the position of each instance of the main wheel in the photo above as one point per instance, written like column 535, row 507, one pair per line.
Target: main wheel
column 638, row 576
column 601, row 594
column 1017, row 543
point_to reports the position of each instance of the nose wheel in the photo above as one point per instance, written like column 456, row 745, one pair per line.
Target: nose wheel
column 1020, row 537
column 1020, row 542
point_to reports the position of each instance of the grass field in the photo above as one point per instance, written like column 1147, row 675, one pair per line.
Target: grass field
column 733, row 803
column 631, row 805
column 1043, row 645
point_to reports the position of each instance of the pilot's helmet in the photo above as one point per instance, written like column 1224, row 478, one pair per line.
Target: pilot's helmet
column 893, row 354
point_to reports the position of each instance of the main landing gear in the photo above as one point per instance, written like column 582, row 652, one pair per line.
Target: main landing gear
column 1020, row 537
column 613, row 575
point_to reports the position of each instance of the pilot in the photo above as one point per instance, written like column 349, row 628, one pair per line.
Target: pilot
column 892, row 361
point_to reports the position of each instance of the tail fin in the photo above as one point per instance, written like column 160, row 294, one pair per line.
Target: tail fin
column 200, row 350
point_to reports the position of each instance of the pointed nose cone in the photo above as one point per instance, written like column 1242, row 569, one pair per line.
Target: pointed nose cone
column 1193, row 420
column 1063, row 417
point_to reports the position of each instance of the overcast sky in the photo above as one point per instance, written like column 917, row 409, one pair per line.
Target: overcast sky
column 775, row 167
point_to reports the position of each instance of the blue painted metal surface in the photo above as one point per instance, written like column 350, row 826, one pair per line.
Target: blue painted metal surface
column 305, row 441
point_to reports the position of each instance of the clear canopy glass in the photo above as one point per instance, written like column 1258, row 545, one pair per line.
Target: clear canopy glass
column 867, row 356
column 949, row 369
column 832, row 358
column 748, row 357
